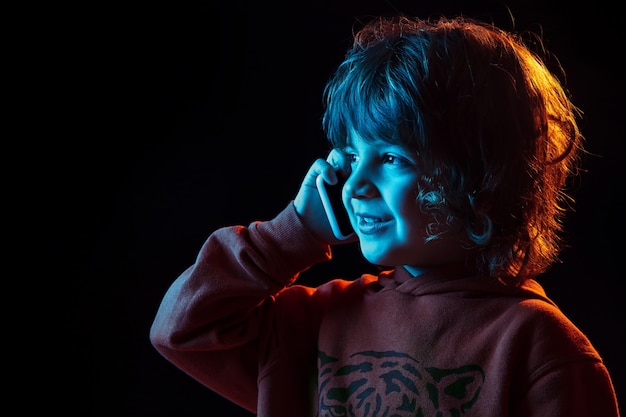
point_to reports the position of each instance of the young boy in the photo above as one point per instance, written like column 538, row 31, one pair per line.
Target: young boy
column 456, row 142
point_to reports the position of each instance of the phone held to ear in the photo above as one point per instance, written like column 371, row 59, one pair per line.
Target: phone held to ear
column 335, row 210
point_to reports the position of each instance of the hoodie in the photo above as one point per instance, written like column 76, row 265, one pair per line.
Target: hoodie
column 445, row 343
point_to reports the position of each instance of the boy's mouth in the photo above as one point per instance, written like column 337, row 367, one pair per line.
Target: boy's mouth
column 370, row 224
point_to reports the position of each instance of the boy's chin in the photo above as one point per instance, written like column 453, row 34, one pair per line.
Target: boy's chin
column 379, row 259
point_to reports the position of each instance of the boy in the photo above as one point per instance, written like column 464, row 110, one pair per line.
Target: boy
column 456, row 143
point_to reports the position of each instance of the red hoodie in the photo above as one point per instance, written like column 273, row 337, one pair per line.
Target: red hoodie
column 443, row 344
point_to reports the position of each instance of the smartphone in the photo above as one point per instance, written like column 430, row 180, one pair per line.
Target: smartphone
column 335, row 210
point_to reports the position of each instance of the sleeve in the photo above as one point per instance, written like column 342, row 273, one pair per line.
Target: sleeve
column 567, row 376
column 577, row 389
column 211, row 318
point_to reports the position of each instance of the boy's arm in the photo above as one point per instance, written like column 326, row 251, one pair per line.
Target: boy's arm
column 210, row 319
column 582, row 388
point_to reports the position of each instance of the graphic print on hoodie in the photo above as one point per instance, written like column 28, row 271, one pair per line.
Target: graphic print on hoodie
column 394, row 384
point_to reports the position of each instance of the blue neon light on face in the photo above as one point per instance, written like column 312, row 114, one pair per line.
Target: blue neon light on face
column 380, row 196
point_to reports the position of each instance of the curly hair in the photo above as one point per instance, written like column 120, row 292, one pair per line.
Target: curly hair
column 494, row 128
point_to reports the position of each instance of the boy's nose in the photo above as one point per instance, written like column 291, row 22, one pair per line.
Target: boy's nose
column 360, row 185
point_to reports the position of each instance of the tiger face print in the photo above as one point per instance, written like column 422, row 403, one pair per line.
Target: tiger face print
column 393, row 384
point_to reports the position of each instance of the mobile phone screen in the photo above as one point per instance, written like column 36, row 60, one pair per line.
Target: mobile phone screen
column 335, row 210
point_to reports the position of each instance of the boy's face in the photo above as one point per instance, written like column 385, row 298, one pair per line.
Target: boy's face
column 380, row 196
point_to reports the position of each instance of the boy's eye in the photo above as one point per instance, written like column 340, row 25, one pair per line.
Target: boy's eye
column 348, row 154
column 394, row 159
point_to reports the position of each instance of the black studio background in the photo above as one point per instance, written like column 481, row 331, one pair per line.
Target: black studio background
column 193, row 117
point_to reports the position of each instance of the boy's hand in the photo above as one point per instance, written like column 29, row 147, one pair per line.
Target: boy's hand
column 308, row 202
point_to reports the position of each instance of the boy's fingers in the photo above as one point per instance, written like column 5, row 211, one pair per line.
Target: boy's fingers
column 339, row 161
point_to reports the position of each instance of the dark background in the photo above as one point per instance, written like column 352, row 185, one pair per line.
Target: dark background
column 189, row 118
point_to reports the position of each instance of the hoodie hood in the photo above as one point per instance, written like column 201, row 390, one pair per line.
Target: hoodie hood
column 457, row 278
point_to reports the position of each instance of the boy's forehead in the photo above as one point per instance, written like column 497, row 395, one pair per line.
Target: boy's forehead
column 357, row 140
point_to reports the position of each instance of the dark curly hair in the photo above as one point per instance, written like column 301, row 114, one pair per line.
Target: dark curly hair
column 494, row 128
